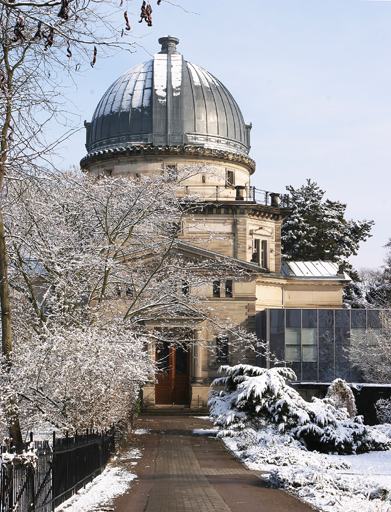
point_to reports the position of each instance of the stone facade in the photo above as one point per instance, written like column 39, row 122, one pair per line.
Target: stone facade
column 231, row 220
column 232, row 228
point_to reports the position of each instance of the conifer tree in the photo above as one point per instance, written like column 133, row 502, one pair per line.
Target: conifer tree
column 317, row 228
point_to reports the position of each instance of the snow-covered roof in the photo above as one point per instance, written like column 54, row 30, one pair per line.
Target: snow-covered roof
column 168, row 101
column 312, row 270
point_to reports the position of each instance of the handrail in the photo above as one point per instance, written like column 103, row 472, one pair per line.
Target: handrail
column 239, row 193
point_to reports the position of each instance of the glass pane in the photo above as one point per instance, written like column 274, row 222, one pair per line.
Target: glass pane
column 276, row 321
column 228, row 288
column 342, row 342
column 292, row 336
column 326, row 345
column 310, row 317
column 277, row 329
column 374, row 319
column 292, row 353
column 310, row 353
column 293, row 317
column 359, row 318
column 358, row 334
column 308, row 336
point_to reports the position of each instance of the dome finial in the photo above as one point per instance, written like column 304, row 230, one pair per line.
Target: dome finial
column 169, row 44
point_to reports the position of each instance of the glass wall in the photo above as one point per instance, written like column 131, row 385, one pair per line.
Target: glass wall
column 315, row 342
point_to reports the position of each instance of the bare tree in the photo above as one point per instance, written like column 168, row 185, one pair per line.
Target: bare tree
column 370, row 351
column 96, row 265
column 40, row 42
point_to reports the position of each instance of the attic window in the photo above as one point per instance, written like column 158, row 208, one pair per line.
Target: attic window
column 203, row 178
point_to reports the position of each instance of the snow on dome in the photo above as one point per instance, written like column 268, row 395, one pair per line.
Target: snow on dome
column 168, row 101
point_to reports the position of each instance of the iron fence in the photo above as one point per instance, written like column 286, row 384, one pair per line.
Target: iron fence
column 60, row 469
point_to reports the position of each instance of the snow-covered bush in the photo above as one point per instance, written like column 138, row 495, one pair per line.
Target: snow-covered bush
column 383, row 410
column 76, row 377
column 342, row 396
column 255, row 397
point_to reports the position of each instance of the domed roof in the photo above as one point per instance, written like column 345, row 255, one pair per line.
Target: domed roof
column 167, row 101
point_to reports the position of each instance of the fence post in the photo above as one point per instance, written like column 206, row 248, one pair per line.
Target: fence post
column 31, row 479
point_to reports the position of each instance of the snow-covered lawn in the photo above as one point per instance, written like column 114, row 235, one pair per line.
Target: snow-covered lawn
column 114, row 481
column 331, row 483
column 319, row 450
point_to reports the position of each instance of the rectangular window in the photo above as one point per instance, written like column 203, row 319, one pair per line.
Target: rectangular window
column 256, row 251
column 172, row 171
column 222, row 350
column 229, row 288
column 264, row 254
column 216, row 289
column 260, row 252
column 203, row 178
column 309, row 345
column 185, row 288
column 229, row 178
column 105, row 173
column 292, row 344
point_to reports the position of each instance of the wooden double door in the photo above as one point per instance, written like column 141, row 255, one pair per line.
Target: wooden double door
column 173, row 376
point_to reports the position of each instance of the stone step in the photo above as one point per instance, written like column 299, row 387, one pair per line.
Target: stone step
column 174, row 410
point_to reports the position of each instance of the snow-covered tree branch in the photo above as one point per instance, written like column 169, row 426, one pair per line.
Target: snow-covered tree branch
column 370, row 351
column 95, row 266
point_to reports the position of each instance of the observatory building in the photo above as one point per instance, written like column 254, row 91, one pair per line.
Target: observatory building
column 169, row 114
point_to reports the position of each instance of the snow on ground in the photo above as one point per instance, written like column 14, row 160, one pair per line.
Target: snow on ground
column 331, row 483
column 205, row 432
column 141, row 431
column 101, row 492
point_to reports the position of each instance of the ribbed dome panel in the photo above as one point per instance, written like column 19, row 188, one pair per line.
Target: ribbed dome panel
column 168, row 101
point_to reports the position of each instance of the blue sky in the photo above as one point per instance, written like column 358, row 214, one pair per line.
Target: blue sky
column 313, row 76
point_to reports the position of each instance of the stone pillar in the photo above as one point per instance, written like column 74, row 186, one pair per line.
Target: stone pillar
column 197, row 359
column 149, row 388
column 199, row 389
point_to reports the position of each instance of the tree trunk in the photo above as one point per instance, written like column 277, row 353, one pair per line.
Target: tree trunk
column 5, row 302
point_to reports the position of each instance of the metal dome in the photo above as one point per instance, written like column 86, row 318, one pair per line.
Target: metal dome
column 168, row 101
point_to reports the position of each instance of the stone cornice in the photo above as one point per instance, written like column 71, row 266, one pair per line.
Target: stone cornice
column 190, row 151
column 250, row 208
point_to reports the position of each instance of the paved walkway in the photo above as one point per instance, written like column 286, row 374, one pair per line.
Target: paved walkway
column 182, row 472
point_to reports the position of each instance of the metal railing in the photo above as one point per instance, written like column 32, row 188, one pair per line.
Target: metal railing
column 58, row 472
column 237, row 193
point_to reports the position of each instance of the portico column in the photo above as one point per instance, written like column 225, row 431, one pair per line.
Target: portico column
column 197, row 359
